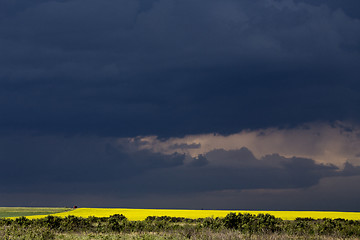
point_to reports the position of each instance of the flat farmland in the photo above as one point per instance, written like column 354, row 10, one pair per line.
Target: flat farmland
column 29, row 211
column 141, row 214
column 207, row 224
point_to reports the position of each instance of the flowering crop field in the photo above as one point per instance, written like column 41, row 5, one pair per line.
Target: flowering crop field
column 141, row 214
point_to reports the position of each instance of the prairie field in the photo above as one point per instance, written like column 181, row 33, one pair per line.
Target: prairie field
column 125, row 223
column 141, row 214
column 29, row 211
column 225, row 235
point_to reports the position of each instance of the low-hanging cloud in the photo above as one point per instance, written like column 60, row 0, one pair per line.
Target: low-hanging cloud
column 335, row 143
column 60, row 164
column 90, row 165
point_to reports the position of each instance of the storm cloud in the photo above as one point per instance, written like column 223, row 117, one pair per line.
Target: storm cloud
column 144, row 101
column 85, row 165
column 128, row 68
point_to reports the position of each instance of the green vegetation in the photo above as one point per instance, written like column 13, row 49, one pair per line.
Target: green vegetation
column 233, row 226
column 29, row 211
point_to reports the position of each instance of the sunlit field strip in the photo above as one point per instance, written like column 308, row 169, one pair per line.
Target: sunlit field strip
column 141, row 214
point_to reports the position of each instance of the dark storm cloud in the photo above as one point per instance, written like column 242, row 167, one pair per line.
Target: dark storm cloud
column 37, row 163
column 351, row 170
column 127, row 68
column 350, row 7
column 100, row 166
column 199, row 161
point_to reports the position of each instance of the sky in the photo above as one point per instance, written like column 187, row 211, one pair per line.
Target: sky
column 196, row 104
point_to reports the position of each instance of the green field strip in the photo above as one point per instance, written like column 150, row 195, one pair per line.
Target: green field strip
column 29, row 211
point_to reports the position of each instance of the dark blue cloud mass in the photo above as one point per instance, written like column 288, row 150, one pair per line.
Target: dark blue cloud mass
column 47, row 166
column 78, row 75
column 127, row 68
column 85, row 165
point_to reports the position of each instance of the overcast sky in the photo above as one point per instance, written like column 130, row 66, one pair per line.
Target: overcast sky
column 218, row 104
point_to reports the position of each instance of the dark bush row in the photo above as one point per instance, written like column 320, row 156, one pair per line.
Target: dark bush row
column 245, row 223
column 171, row 219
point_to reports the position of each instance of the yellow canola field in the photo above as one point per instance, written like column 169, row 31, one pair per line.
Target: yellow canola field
column 141, row 214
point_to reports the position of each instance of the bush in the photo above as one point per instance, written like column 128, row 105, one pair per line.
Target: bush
column 22, row 221
column 51, row 222
column 47, row 227
column 249, row 223
column 116, row 223
column 213, row 223
column 72, row 223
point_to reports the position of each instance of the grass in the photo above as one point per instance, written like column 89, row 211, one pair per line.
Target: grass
column 141, row 214
column 29, row 211
column 223, row 235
